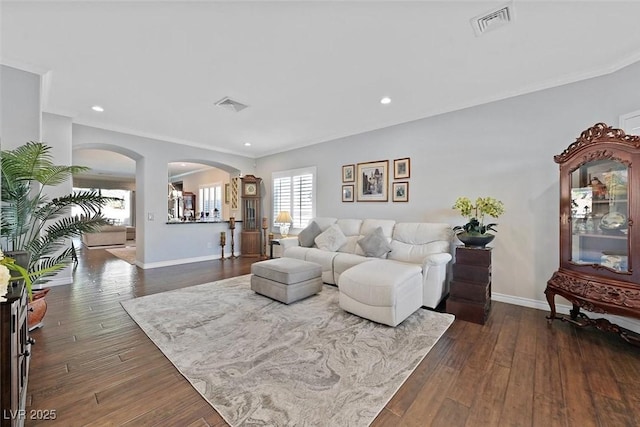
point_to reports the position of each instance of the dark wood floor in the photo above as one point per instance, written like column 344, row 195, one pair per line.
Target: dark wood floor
column 94, row 366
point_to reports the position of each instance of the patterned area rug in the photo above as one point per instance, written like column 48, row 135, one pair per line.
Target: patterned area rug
column 128, row 254
column 260, row 362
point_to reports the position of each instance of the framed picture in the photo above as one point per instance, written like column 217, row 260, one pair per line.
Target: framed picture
column 348, row 173
column 227, row 194
column 400, row 191
column 347, row 193
column 401, row 168
column 373, row 181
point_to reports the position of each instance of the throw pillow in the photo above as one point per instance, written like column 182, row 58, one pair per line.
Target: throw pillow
column 331, row 239
column 307, row 236
column 375, row 244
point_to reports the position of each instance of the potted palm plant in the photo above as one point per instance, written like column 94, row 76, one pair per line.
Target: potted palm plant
column 475, row 232
column 35, row 226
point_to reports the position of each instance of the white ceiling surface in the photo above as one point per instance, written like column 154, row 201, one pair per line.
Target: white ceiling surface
column 309, row 71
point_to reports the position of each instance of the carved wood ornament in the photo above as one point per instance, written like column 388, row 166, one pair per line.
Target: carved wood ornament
column 597, row 134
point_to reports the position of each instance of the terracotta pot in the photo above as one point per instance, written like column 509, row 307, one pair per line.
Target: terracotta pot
column 37, row 309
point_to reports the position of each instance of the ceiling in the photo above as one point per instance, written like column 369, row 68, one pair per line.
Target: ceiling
column 309, row 71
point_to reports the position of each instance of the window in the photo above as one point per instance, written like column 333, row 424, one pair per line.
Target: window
column 210, row 198
column 118, row 212
column 295, row 191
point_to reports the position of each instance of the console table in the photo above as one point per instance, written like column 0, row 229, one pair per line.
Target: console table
column 470, row 293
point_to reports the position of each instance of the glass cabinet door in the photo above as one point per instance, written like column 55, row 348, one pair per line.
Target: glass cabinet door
column 249, row 217
column 599, row 213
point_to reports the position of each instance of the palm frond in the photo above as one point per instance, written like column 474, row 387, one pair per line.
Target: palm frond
column 31, row 221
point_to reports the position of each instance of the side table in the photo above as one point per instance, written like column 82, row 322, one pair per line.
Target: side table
column 470, row 293
column 271, row 243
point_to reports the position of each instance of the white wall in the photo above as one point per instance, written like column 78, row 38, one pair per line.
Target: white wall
column 158, row 243
column 503, row 149
column 20, row 103
column 56, row 133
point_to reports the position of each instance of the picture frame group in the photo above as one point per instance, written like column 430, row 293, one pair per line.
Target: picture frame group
column 369, row 181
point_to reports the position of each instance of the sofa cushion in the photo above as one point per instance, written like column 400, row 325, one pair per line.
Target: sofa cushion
column 375, row 244
column 350, row 227
column 307, row 236
column 331, row 239
column 324, row 222
column 369, row 225
column 344, row 261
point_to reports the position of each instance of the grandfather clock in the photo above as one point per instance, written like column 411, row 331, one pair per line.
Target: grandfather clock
column 250, row 234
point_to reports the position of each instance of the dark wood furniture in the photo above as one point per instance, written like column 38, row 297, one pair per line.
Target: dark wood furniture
column 15, row 353
column 470, row 288
column 250, row 236
column 599, row 245
column 273, row 242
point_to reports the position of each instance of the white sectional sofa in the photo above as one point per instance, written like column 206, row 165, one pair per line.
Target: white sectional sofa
column 426, row 245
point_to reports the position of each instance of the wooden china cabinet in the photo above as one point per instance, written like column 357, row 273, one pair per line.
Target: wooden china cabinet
column 250, row 234
column 599, row 245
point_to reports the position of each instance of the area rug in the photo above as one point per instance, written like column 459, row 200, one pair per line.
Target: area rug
column 127, row 254
column 260, row 362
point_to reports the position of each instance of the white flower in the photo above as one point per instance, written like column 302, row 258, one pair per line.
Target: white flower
column 1, row 255
column 5, row 276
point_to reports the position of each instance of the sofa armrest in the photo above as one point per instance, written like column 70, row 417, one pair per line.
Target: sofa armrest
column 434, row 282
column 288, row 242
column 437, row 259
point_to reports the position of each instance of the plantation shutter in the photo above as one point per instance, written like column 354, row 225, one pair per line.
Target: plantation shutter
column 294, row 191
column 281, row 196
column 302, row 200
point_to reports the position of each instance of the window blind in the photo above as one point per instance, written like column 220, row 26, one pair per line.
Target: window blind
column 294, row 191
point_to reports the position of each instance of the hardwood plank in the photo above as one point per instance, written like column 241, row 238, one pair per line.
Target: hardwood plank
column 618, row 413
column 549, row 408
column 451, row 413
column 430, row 397
column 487, row 406
column 577, row 396
column 518, row 404
column 407, row 393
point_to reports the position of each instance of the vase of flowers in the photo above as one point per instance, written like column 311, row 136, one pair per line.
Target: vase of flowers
column 475, row 232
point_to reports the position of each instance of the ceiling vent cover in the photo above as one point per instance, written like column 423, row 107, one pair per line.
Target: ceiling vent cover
column 496, row 18
column 231, row 105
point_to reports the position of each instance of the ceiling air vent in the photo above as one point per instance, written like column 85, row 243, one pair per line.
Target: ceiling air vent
column 494, row 19
column 231, row 105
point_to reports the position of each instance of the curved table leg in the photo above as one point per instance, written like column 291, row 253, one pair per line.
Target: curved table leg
column 552, row 304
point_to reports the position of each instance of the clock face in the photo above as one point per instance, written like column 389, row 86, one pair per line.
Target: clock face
column 250, row 189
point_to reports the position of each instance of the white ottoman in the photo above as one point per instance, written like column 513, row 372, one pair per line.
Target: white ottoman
column 384, row 291
column 286, row 279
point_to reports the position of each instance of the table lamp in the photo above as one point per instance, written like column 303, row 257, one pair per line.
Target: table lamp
column 284, row 219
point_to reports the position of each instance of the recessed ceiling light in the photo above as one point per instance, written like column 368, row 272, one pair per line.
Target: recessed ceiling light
column 97, row 108
column 386, row 100
column 247, row 144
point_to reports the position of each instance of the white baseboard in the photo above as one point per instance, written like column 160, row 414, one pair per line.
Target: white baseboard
column 169, row 263
column 624, row 322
